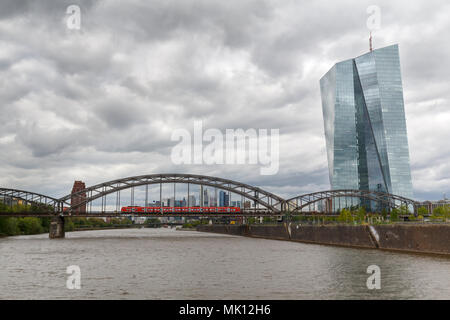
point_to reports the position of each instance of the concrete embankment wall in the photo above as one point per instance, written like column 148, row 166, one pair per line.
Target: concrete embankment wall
column 407, row 238
column 355, row 236
column 423, row 238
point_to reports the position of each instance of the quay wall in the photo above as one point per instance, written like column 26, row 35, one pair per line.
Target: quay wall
column 433, row 238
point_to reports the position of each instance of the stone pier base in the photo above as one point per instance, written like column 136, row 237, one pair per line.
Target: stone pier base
column 57, row 228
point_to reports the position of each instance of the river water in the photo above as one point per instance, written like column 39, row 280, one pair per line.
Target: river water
column 171, row 264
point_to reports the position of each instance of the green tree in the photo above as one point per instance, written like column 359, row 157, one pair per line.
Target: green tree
column 69, row 225
column 404, row 210
column 96, row 222
column 361, row 214
column 384, row 213
column 267, row 219
column 422, row 211
column 30, row 225
column 251, row 220
column 394, row 214
column 447, row 211
column 45, row 222
column 9, row 226
column 345, row 216
column 439, row 212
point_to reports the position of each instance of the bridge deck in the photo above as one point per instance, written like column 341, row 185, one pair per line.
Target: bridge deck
column 153, row 215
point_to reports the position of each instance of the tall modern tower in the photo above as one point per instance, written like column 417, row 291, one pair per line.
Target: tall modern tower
column 365, row 126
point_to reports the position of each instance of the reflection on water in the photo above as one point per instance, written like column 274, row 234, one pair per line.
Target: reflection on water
column 169, row 264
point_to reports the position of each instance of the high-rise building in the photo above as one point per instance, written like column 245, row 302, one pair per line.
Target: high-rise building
column 205, row 198
column 212, row 201
column 224, row 199
column 76, row 199
column 192, row 201
column 365, row 126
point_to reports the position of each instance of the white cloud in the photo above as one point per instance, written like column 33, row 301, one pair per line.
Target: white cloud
column 101, row 103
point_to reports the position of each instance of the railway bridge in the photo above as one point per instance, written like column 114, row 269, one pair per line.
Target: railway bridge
column 106, row 199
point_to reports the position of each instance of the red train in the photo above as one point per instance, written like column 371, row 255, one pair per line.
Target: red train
column 137, row 209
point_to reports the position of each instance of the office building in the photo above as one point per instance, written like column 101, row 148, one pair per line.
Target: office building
column 365, row 126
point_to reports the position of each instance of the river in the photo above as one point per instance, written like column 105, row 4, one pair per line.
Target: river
column 170, row 264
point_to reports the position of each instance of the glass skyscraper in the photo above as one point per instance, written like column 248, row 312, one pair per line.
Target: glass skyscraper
column 224, row 199
column 365, row 126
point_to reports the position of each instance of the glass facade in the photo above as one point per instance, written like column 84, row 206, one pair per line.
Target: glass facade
column 365, row 126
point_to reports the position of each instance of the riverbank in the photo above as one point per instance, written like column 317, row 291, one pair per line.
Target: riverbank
column 186, row 229
column 430, row 239
column 18, row 226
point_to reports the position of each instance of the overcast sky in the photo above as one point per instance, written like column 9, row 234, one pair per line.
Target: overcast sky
column 101, row 102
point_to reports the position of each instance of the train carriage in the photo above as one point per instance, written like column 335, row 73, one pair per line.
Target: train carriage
column 183, row 210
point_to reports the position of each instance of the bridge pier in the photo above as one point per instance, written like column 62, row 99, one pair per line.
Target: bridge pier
column 57, row 228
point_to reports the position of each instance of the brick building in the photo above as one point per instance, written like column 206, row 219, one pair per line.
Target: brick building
column 76, row 199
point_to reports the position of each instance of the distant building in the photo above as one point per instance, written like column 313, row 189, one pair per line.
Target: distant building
column 11, row 201
column 236, row 204
column 205, row 198
column 212, row 201
column 192, row 201
column 80, row 198
column 224, row 199
column 178, row 203
column 138, row 220
column 432, row 205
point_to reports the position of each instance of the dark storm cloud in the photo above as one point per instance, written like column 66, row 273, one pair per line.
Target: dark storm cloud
column 46, row 141
column 120, row 115
column 102, row 102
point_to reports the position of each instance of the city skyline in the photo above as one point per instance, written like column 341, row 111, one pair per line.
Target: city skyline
column 101, row 102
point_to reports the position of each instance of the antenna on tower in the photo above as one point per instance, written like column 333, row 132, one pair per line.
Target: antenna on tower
column 370, row 41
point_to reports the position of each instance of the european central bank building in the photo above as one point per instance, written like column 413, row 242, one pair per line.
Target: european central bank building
column 365, row 126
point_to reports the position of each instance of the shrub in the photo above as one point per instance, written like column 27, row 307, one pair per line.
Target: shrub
column 30, row 225
column 422, row 211
column 345, row 216
column 394, row 214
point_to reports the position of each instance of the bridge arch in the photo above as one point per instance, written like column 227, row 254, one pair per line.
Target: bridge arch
column 259, row 196
column 390, row 201
column 30, row 197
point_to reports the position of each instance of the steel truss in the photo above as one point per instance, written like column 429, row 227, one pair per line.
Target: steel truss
column 259, row 196
column 271, row 202
column 30, row 197
column 386, row 199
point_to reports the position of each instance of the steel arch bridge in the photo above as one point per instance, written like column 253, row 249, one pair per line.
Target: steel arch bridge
column 268, row 200
column 272, row 203
column 390, row 201
column 30, row 197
